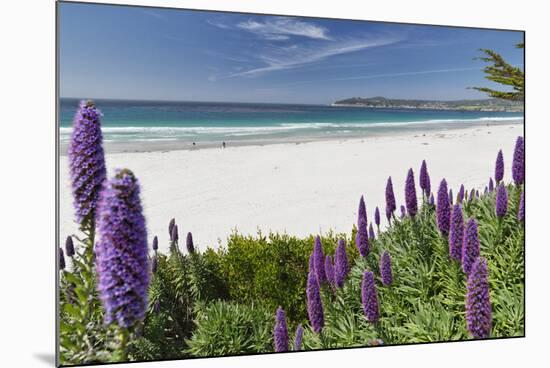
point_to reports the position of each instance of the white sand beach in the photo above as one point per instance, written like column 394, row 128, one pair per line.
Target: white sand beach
column 295, row 188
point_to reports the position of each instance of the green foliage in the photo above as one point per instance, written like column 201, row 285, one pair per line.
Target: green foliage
column 83, row 336
column 223, row 302
column 503, row 73
column 272, row 270
column 426, row 301
column 225, row 328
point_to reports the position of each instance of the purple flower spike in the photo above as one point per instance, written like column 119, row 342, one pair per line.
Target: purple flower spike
column 171, row 227
column 450, row 196
column 319, row 260
column 377, row 217
column 432, row 199
column 298, row 338
column 280, row 332
column 155, row 243
column 69, row 246
column 472, row 194
column 461, row 194
column 410, row 194
column 174, row 236
column 329, row 270
column 485, row 191
column 61, row 259
column 311, row 267
column 372, row 236
column 362, row 238
column 456, row 233
column 341, row 265
column 518, row 163
column 390, row 200
column 369, row 297
column 403, row 212
column 154, row 264
column 121, row 251
column 521, row 209
column 424, row 180
column 491, row 185
column 478, row 301
column 470, row 246
column 502, row 200
column 189, row 243
column 86, row 162
column 499, row 167
column 362, row 212
column 443, row 209
column 314, row 304
column 385, row 268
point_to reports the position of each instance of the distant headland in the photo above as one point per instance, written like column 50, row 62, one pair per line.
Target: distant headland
column 489, row 104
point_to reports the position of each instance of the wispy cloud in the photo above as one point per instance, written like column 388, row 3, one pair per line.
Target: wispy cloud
column 281, row 58
column 153, row 14
column 385, row 75
column 281, row 28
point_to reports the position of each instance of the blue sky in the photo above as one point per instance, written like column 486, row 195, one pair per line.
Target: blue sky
column 164, row 54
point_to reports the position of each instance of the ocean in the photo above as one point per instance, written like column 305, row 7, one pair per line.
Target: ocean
column 210, row 123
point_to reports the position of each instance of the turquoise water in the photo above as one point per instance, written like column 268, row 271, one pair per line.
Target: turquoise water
column 134, row 121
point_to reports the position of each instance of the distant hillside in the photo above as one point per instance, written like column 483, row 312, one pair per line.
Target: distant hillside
column 467, row 105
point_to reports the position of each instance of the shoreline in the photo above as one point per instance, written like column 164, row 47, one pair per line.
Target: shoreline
column 298, row 189
column 374, row 131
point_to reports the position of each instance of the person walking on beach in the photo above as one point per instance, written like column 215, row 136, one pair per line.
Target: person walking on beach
column 223, row 144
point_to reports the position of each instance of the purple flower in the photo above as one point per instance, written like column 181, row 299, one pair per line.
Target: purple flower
column 499, row 167
column 174, row 235
column 424, row 180
column 385, row 268
column 521, row 209
column 450, row 196
column 491, row 185
column 280, row 332
column 121, row 251
column 377, row 217
column 502, row 200
column 86, row 162
column 341, row 265
column 171, row 227
column 362, row 212
column 311, row 266
column 432, row 200
column 371, row 232
column 314, row 304
column 461, row 194
column 410, row 194
column 369, row 297
column 155, row 243
column 403, row 212
column 478, row 301
column 329, row 270
column 319, row 260
column 154, row 264
column 486, row 190
column 470, row 246
column 390, row 199
column 443, row 209
column 61, row 259
column 69, row 246
column 518, row 164
column 362, row 238
column 298, row 338
column 456, row 233
column 472, row 194
column 189, row 243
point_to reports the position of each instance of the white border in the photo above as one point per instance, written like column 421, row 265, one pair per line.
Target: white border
column 27, row 182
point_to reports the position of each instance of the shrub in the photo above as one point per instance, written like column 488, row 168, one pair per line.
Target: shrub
column 225, row 328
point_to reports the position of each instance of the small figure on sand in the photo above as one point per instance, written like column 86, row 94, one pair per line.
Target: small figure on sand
column 223, row 144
